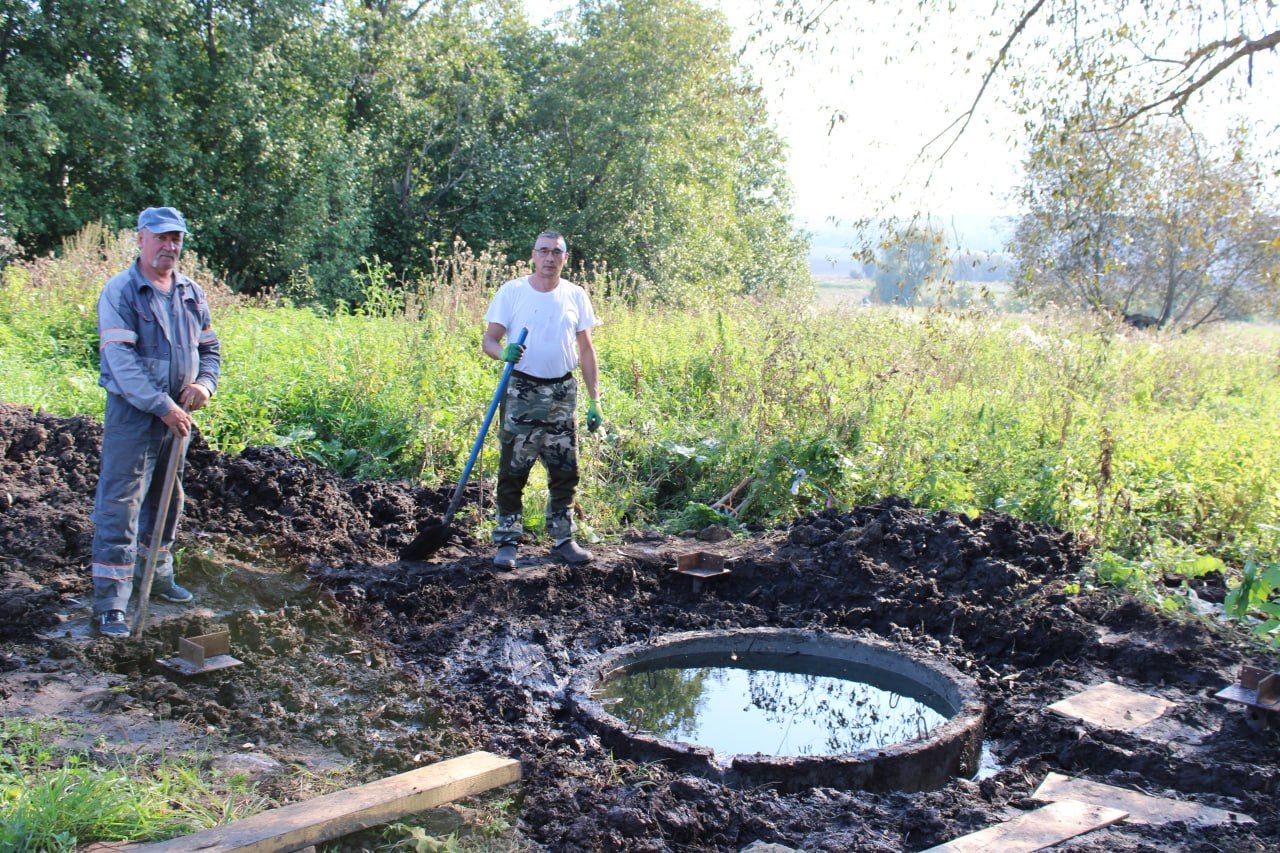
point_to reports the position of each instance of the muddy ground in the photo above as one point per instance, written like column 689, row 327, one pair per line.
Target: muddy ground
column 354, row 659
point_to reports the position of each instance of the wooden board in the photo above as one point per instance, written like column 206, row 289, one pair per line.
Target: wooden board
column 1142, row 808
column 301, row 825
column 1035, row 830
column 1112, row 707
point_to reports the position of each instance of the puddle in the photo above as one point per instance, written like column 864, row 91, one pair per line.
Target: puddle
column 988, row 764
column 773, row 704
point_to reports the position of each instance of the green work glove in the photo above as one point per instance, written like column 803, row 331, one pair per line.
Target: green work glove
column 594, row 417
column 512, row 352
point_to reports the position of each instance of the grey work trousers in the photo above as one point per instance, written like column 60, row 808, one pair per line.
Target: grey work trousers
column 135, row 455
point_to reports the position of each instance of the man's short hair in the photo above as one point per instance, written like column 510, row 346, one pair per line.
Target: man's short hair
column 554, row 235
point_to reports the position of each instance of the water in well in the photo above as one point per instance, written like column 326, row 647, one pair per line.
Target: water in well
column 772, row 704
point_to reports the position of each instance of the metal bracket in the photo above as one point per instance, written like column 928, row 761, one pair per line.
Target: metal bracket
column 700, row 565
column 1259, row 691
column 205, row 653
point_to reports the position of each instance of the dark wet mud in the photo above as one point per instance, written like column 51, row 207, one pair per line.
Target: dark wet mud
column 394, row 664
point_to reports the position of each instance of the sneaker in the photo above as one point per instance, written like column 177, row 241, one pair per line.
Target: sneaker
column 174, row 594
column 112, row 624
column 572, row 553
column 505, row 557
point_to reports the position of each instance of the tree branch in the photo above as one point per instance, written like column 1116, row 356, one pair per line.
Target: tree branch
column 965, row 117
column 1179, row 97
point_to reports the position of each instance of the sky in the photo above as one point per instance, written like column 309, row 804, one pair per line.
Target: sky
column 847, row 170
column 893, row 100
column 857, row 121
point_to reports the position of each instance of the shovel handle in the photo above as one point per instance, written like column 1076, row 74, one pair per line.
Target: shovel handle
column 484, row 430
column 158, row 526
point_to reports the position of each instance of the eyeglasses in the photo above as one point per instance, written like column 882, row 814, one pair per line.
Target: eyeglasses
column 545, row 252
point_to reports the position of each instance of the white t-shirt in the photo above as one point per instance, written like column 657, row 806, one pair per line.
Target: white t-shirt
column 553, row 320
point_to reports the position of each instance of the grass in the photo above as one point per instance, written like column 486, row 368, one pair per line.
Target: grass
column 1158, row 449
column 55, row 801
column 487, row 828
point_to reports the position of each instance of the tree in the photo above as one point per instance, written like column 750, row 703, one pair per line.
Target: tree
column 301, row 137
column 655, row 155
column 1144, row 222
column 276, row 179
column 913, row 256
column 439, row 95
column 229, row 109
column 1049, row 56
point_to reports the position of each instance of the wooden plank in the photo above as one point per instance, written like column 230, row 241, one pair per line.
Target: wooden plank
column 300, row 825
column 1112, row 707
column 1035, row 830
column 1142, row 808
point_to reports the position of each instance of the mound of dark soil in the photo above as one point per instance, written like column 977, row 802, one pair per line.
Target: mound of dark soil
column 49, row 471
column 989, row 595
column 447, row 655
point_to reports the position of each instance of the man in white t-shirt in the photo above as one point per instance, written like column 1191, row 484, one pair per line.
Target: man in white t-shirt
column 540, row 406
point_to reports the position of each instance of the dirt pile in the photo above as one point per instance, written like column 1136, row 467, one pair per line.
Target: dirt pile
column 990, row 595
column 448, row 655
column 286, row 505
column 48, row 466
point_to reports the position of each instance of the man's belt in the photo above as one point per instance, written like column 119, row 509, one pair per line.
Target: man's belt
column 542, row 380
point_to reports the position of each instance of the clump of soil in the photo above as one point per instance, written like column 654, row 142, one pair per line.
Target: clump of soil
column 394, row 664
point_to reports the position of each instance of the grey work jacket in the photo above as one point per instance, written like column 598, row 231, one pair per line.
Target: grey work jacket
column 139, row 349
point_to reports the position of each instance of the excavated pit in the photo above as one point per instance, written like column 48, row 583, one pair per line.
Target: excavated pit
column 349, row 654
column 921, row 763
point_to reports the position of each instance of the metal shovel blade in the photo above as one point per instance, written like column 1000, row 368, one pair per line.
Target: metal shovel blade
column 433, row 536
column 429, row 540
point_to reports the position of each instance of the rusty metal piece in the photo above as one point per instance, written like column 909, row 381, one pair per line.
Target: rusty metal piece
column 1251, row 675
column 700, row 565
column 1259, row 691
column 1269, row 690
column 206, row 653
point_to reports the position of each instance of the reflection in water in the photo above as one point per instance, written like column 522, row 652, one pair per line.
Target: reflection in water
column 771, row 704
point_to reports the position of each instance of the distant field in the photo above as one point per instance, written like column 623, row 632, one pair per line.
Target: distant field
column 832, row 291
column 840, row 290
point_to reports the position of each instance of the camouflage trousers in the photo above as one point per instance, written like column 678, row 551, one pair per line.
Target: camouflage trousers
column 538, row 422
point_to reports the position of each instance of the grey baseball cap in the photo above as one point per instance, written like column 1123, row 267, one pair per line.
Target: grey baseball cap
column 161, row 220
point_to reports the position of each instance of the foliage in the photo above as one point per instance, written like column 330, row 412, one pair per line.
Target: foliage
column 1257, row 597
column 55, row 801
column 1143, row 222
column 488, row 831
column 235, row 117
column 1159, row 449
column 696, row 516
column 300, row 138
column 439, row 96
column 683, row 153
column 911, row 258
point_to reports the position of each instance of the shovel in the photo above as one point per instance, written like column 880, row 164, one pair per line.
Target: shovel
column 431, row 537
column 179, row 450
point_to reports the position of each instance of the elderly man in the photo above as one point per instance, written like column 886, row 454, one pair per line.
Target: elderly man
column 539, row 409
column 160, row 361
